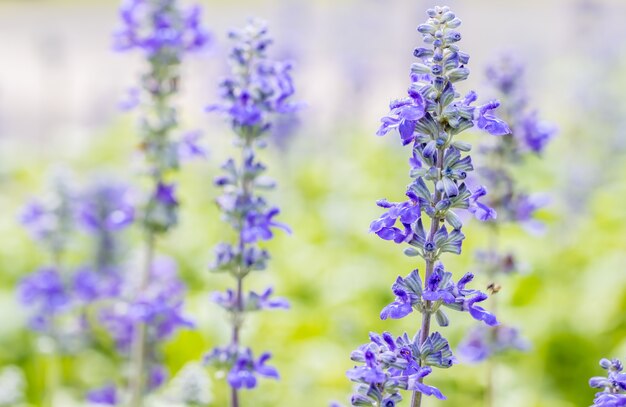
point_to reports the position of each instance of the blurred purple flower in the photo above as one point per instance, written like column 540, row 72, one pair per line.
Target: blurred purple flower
column 156, row 377
column 535, row 134
column 245, row 370
column 106, row 207
column 89, row 285
column 106, row 395
column 45, row 292
column 159, row 306
column 160, row 27
column 258, row 226
column 483, row 342
column 189, row 146
column 131, row 99
column 166, row 194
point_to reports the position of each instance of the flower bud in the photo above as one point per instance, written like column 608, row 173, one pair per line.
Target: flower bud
column 458, row 74
column 361, row 400
column 442, row 318
column 419, row 69
column 449, row 16
column 454, row 23
column 426, row 29
column 422, row 52
column 452, row 37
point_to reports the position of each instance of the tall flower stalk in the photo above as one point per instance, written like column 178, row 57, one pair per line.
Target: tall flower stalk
column 164, row 33
column 429, row 120
column 257, row 89
column 46, row 292
column 528, row 136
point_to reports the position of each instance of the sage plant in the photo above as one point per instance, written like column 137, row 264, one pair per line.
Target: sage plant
column 528, row 137
column 430, row 121
column 257, row 90
column 613, row 386
column 164, row 33
column 51, row 221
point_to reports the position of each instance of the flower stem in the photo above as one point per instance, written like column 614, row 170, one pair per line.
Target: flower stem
column 241, row 272
column 234, row 402
column 416, row 399
column 138, row 349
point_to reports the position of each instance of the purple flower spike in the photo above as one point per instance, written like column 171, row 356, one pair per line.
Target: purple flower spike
column 257, row 91
column 429, row 223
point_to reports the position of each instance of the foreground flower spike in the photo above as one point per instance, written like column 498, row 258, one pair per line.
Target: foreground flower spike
column 429, row 120
column 613, row 386
column 164, row 33
column 257, row 90
column 528, row 137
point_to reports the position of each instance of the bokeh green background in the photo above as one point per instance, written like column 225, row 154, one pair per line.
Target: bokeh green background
column 351, row 58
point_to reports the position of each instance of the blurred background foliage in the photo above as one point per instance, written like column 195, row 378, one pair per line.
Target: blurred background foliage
column 59, row 85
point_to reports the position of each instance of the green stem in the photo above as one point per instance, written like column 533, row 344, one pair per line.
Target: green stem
column 241, row 272
column 416, row 399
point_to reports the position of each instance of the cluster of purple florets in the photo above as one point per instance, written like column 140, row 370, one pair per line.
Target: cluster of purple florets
column 613, row 386
column 259, row 87
column 160, row 28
